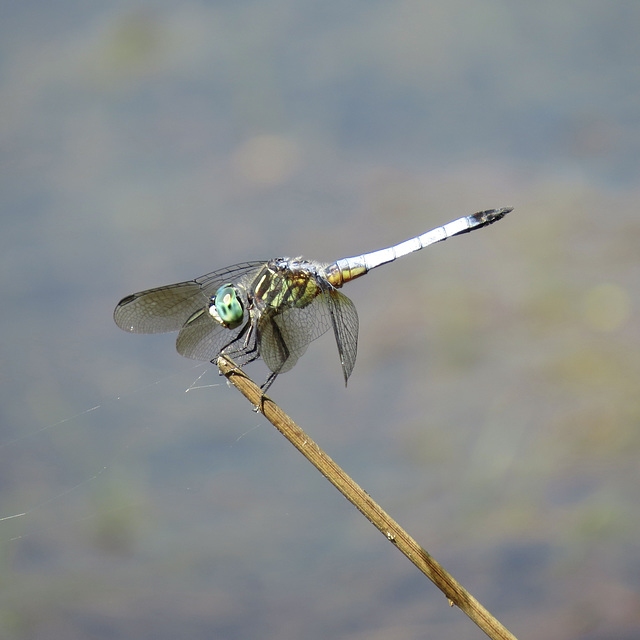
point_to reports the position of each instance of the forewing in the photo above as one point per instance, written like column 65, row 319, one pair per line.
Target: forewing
column 211, row 282
column 167, row 308
column 159, row 310
column 345, row 327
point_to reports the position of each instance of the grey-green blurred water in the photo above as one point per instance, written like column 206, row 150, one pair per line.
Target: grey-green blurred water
column 497, row 417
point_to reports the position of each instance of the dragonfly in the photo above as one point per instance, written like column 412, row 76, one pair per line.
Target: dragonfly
column 272, row 309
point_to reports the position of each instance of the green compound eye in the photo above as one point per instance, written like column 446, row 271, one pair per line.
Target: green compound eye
column 228, row 306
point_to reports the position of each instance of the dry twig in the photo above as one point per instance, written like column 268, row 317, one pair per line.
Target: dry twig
column 455, row 593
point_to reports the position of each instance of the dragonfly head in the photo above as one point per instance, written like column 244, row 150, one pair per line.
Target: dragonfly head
column 226, row 307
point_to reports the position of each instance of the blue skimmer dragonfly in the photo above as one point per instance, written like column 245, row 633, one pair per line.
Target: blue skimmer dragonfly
column 271, row 309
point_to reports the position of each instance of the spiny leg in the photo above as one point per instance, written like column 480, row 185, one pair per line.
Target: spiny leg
column 249, row 350
column 239, row 352
column 264, row 387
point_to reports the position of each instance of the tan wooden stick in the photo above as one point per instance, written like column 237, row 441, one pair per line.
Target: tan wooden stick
column 455, row 593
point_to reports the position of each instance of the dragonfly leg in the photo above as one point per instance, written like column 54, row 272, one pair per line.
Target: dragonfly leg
column 239, row 352
column 249, row 349
column 267, row 383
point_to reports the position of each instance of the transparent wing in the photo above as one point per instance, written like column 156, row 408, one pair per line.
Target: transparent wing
column 272, row 346
column 211, row 282
column 345, row 328
column 167, row 308
column 202, row 338
column 284, row 337
column 159, row 310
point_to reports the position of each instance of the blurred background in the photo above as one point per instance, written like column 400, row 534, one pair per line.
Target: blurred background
column 495, row 414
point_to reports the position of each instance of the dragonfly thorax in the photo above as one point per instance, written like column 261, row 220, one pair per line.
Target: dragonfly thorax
column 226, row 307
column 286, row 283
